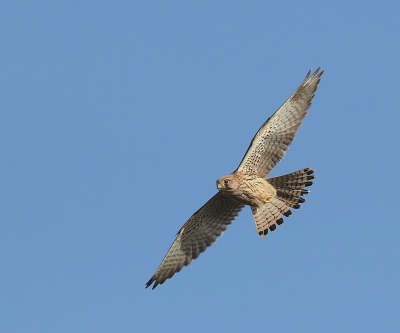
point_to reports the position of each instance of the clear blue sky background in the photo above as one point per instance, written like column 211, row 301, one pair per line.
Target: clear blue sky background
column 117, row 117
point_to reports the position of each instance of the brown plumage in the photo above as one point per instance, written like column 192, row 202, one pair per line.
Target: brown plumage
column 269, row 198
column 289, row 191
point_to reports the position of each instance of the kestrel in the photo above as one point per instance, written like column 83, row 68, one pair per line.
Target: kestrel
column 269, row 198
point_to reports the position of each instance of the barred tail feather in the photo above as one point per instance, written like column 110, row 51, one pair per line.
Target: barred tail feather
column 289, row 191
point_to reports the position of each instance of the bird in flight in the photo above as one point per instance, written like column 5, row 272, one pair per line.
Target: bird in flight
column 269, row 198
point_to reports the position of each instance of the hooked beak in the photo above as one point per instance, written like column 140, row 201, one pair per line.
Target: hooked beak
column 219, row 185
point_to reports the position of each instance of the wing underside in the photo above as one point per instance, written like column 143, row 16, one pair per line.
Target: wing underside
column 270, row 143
column 198, row 233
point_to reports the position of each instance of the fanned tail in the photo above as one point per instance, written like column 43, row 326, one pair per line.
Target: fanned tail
column 290, row 189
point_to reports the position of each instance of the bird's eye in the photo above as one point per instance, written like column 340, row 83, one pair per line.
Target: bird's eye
column 226, row 181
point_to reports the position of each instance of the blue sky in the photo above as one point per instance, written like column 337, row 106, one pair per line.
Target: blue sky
column 118, row 117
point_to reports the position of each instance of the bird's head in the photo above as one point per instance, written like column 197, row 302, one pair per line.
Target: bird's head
column 226, row 183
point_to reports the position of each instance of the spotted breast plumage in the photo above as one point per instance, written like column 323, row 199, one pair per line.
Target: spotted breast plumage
column 270, row 199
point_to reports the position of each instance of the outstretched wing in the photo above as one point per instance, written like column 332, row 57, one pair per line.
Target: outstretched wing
column 198, row 233
column 274, row 137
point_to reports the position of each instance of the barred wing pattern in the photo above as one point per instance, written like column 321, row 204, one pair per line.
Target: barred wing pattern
column 274, row 137
column 198, row 233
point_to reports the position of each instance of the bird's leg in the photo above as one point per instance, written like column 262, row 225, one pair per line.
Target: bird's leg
column 268, row 197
